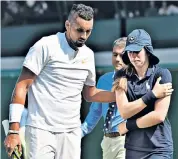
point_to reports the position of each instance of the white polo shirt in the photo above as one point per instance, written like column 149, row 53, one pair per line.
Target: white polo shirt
column 54, row 98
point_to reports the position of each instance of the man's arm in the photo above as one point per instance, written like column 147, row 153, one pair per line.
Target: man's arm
column 25, row 80
column 92, row 118
column 19, row 94
column 128, row 109
column 92, row 94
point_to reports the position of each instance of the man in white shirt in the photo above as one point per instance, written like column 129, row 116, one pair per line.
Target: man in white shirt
column 55, row 71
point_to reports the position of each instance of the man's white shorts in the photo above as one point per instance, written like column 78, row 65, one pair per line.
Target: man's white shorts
column 43, row 144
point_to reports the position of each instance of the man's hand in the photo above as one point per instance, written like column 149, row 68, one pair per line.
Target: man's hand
column 11, row 141
column 162, row 90
column 122, row 128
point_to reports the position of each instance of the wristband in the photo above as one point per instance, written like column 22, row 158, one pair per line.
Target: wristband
column 13, row 132
column 131, row 125
column 15, row 112
column 149, row 97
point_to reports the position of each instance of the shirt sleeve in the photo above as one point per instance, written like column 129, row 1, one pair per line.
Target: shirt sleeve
column 93, row 116
column 36, row 58
column 165, row 75
column 91, row 78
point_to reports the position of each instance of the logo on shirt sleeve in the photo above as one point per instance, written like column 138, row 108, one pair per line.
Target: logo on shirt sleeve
column 84, row 61
column 147, row 86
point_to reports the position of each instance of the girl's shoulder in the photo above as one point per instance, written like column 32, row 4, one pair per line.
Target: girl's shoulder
column 164, row 73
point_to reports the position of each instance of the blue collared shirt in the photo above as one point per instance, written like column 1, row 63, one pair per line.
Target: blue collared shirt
column 98, row 110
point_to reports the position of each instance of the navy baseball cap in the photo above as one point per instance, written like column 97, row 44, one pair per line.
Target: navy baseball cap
column 137, row 40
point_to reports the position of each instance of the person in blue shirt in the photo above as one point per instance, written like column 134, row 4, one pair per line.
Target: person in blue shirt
column 112, row 143
column 148, row 130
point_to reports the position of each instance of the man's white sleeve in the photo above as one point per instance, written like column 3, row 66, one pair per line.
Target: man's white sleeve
column 91, row 78
column 37, row 57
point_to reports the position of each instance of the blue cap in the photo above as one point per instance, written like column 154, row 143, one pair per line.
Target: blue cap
column 136, row 40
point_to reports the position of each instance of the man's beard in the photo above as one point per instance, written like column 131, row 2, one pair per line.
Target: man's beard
column 75, row 44
column 79, row 43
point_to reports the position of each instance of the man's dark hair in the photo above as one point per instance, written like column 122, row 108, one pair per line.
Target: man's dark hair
column 81, row 10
